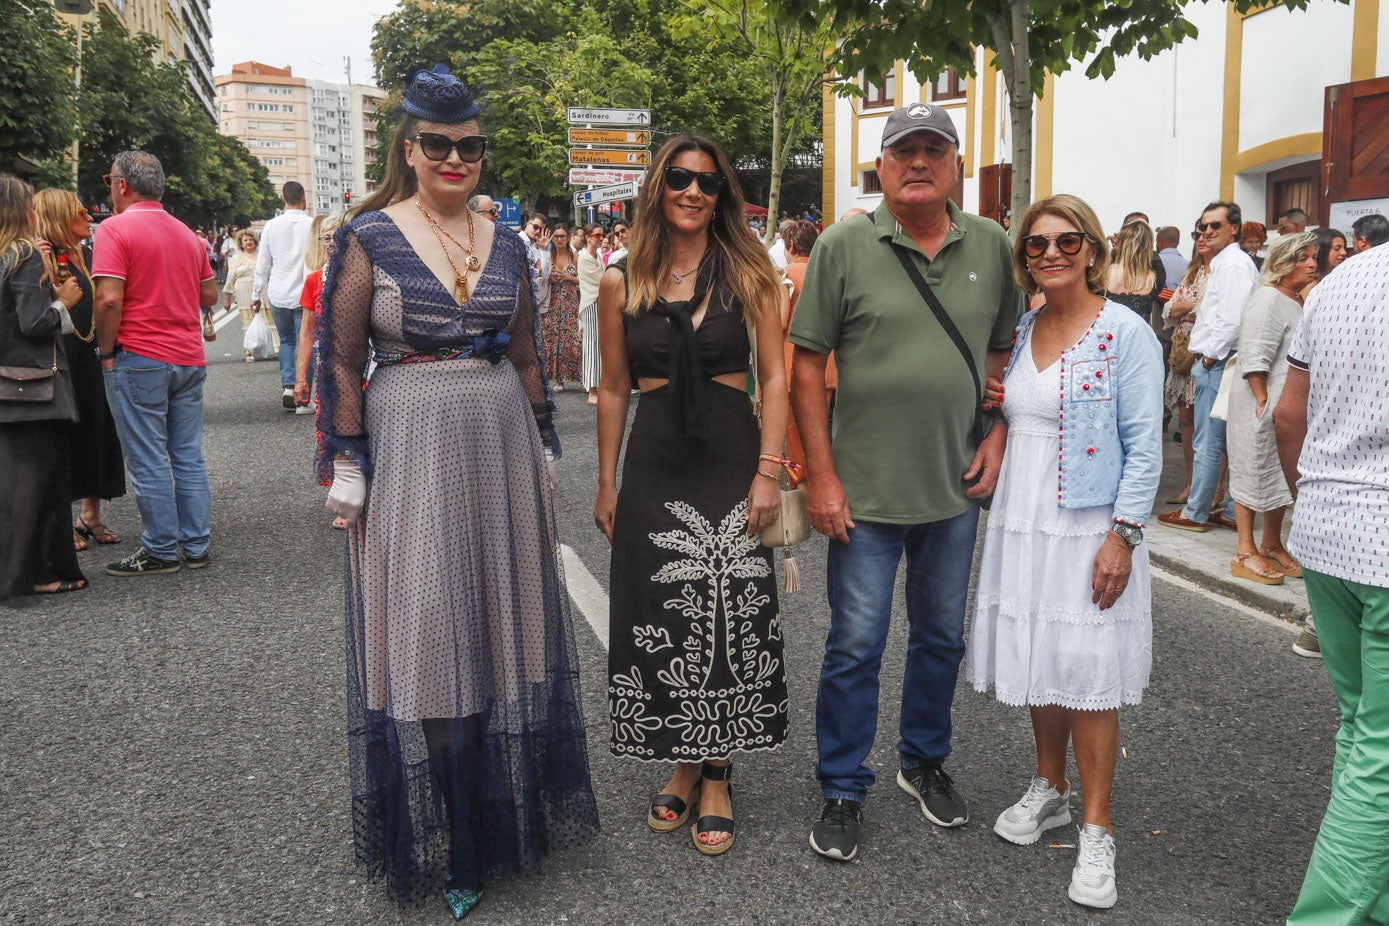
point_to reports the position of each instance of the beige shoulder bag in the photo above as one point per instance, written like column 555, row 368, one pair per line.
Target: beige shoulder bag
column 792, row 525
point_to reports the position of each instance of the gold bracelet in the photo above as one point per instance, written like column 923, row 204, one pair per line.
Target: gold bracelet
column 772, row 476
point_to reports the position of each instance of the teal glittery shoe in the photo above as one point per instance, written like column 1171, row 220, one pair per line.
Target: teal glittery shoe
column 461, row 901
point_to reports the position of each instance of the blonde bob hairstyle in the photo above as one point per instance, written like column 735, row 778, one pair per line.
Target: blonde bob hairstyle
column 1284, row 254
column 738, row 258
column 1077, row 212
column 316, row 254
column 56, row 211
column 242, row 235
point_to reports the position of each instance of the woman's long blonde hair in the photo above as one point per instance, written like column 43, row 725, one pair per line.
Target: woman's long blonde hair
column 16, row 227
column 316, row 255
column 1133, row 256
column 56, row 210
column 738, row 258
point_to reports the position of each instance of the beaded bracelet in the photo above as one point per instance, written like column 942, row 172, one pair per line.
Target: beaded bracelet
column 792, row 465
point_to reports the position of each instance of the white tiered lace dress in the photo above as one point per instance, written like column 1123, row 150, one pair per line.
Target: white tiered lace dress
column 1037, row 638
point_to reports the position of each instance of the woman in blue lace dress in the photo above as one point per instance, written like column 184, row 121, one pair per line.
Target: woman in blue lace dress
column 465, row 735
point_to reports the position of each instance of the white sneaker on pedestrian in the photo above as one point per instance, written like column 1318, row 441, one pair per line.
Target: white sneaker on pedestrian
column 1042, row 808
column 1092, row 880
column 303, row 410
column 287, row 397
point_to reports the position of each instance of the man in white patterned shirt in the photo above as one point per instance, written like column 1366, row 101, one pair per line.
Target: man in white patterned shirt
column 1214, row 340
column 1332, row 423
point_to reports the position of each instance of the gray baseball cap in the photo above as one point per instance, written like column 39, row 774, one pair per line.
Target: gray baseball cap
column 919, row 117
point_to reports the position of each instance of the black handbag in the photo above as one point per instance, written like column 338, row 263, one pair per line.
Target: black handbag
column 29, row 384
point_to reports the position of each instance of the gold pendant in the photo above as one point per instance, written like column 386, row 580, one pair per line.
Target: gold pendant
column 474, row 263
column 460, row 290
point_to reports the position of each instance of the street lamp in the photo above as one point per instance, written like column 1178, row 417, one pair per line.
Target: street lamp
column 78, row 8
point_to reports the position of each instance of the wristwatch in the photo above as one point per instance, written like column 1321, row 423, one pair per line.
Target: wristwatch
column 1129, row 533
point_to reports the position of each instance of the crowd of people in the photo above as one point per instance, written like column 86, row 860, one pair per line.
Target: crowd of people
column 1054, row 363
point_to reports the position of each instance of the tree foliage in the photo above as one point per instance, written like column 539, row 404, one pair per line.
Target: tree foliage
column 37, row 60
column 130, row 100
column 791, row 54
column 529, row 61
column 1029, row 37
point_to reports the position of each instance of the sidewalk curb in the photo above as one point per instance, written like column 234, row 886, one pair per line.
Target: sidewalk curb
column 1243, row 592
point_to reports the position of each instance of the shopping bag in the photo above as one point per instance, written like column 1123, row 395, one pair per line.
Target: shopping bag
column 258, row 342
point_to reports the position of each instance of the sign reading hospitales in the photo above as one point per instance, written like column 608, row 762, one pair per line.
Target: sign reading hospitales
column 580, row 116
column 589, row 176
column 609, row 156
column 606, row 194
column 623, row 137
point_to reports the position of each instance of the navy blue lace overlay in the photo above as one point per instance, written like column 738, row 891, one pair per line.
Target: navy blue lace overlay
column 466, row 739
column 370, row 250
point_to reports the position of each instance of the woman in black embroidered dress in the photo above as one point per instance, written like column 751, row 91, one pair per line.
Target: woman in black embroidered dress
column 465, row 736
column 696, row 671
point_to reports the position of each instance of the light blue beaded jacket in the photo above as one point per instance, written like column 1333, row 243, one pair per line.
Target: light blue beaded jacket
column 1110, row 429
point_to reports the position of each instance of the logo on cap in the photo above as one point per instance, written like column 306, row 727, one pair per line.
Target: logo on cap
column 919, row 111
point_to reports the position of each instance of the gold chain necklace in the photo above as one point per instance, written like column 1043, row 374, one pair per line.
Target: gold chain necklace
column 460, row 282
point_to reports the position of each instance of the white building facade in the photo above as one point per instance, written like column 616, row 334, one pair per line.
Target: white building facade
column 1274, row 109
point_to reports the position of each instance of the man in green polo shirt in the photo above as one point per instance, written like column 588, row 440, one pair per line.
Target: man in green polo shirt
column 902, row 474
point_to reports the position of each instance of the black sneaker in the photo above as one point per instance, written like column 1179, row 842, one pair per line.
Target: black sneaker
column 142, row 563
column 835, row 834
column 197, row 562
column 935, row 792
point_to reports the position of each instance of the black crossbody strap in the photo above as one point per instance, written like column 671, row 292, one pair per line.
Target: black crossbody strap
column 904, row 257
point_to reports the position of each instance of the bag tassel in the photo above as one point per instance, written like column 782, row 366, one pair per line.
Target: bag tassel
column 793, row 571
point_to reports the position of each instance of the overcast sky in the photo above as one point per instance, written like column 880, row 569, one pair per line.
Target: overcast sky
column 311, row 37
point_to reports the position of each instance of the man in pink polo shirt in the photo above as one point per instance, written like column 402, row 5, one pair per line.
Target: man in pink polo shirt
column 152, row 278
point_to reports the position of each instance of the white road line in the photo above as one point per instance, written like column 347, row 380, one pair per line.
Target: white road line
column 588, row 595
column 1231, row 603
column 225, row 320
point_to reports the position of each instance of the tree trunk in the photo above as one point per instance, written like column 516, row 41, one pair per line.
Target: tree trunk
column 778, row 160
column 1019, row 84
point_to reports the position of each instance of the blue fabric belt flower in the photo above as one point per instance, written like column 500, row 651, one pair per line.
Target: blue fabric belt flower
column 491, row 344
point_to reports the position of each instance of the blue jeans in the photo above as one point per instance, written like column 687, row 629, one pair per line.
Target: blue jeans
column 287, row 322
column 1208, row 444
column 158, row 409
column 861, row 577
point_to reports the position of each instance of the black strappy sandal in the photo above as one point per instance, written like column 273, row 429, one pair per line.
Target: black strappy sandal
column 711, row 824
column 671, row 802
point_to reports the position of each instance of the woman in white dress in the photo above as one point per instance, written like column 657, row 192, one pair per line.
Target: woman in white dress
column 1063, row 612
column 1267, row 325
column 590, row 274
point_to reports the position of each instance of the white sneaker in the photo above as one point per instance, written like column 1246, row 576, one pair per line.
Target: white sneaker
column 1092, row 880
column 1040, row 809
column 303, row 410
column 287, row 398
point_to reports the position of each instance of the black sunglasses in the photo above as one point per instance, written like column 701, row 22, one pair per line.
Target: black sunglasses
column 436, row 147
column 1068, row 243
column 1213, row 226
column 678, row 178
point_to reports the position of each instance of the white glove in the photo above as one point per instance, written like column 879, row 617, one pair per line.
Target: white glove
column 553, row 466
column 349, row 491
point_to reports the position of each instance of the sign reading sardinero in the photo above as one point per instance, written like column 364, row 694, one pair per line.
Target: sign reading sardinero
column 580, row 116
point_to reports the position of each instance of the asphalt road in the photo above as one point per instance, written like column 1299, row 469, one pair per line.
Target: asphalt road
column 173, row 749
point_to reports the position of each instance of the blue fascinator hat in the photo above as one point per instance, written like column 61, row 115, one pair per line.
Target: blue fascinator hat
column 435, row 95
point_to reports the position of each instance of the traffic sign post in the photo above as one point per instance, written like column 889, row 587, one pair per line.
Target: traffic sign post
column 581, row 116
column 594, row 176
column 620, row 137
column 606, row 194
column 609, row 156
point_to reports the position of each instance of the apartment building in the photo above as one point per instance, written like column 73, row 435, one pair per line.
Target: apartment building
column 314, row 131
column 183, row 29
